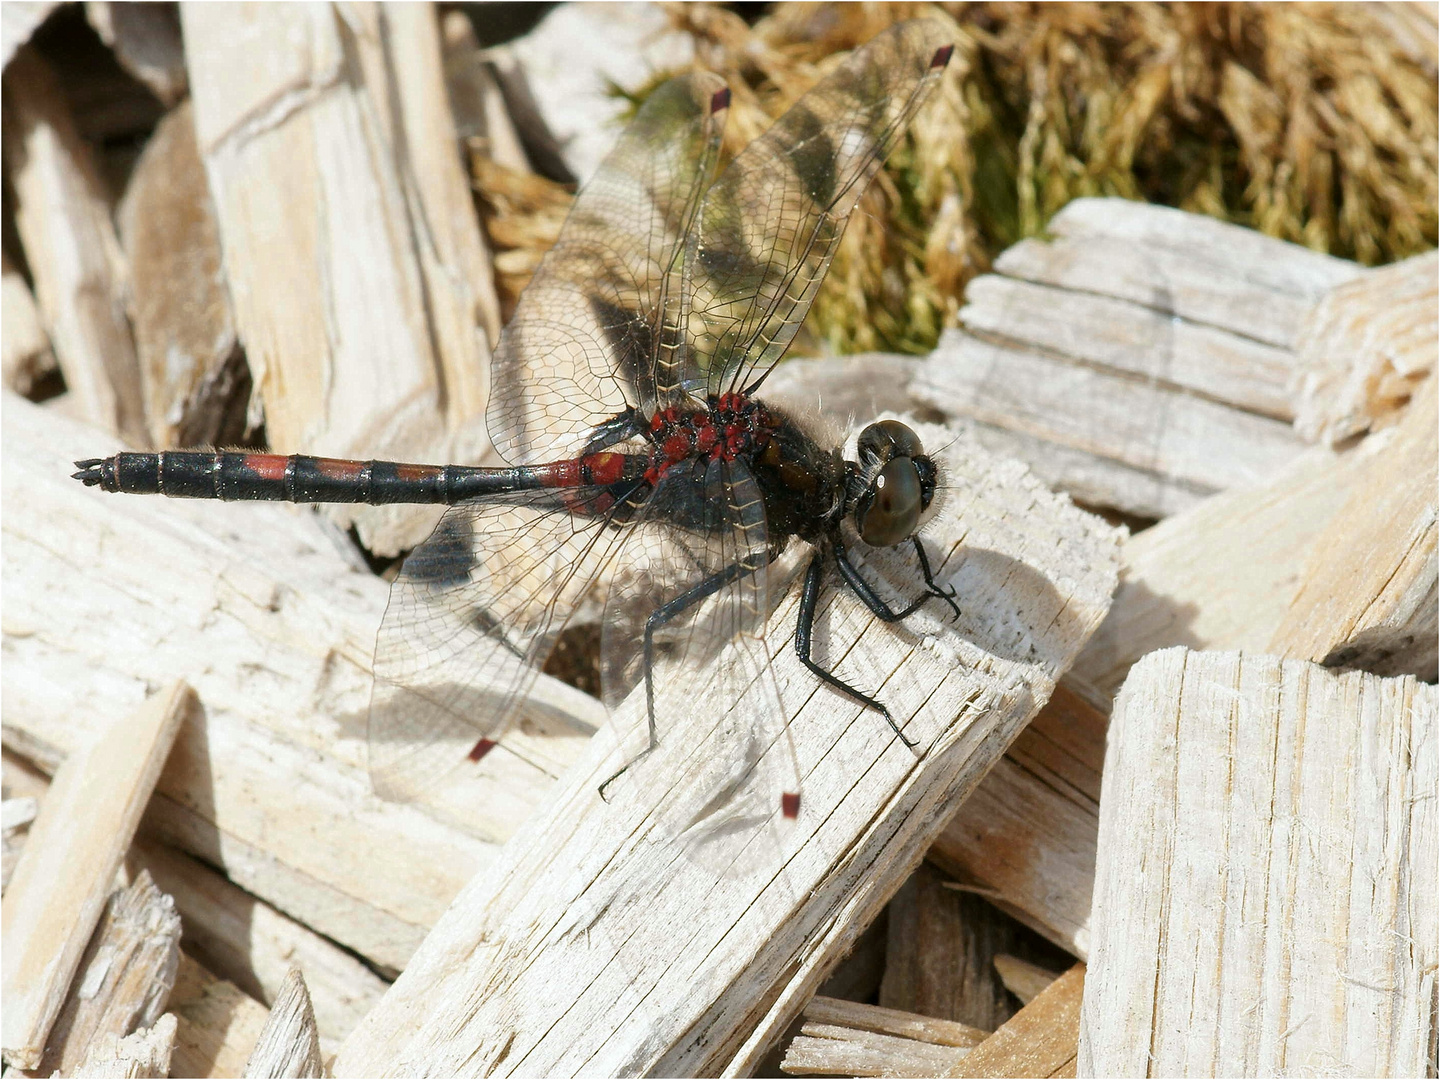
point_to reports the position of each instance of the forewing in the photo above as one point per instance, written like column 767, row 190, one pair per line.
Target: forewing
column 471, row 618
column 773, row 218
column 700, row 559
column 606, row 300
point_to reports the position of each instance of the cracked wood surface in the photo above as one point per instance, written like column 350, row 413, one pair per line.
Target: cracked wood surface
column 1264, row 895
column 596, row 945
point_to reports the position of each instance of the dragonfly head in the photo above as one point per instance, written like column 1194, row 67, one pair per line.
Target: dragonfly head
column 893, row 486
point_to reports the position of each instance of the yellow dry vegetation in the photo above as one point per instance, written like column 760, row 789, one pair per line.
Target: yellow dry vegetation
column 1315, row 123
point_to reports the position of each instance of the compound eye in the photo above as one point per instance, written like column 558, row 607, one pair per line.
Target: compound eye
column 888, row 439
column 891, row 510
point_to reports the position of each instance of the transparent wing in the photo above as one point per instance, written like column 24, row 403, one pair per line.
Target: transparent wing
column 773, row 218
column 696, row 568
column 606, row 303
column 471, row 619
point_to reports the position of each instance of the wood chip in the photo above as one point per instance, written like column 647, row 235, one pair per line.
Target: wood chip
column 882, row 1021
column 1026, row 836
column 1139, row 359
column 196, row 383
column 75, row 846
column 1264, row 900
column 63, row 218
column 218, row 1023
column 939, row 958
column 256, row 605
column 1022, row 978
column 1039, row 1040
column 367, row 314
column 1367, row 598
column 289, row 1046
column 123, row 981
column 248, row 942
column 146, row 1052
column 25, row 354
column 821, row 1050
column 1365, row 349
column 591, row 893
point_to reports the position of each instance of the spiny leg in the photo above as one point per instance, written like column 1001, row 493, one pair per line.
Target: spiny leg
column 948, row 595
column 658, row 618
column 805, row 624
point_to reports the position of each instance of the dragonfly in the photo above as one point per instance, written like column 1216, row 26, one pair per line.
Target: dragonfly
column 645, row 477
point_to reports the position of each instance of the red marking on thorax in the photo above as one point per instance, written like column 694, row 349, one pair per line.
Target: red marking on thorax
column 267, row 466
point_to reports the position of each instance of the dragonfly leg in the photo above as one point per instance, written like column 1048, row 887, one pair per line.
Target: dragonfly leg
column 805, row 623
column 948, row 595
column 658, row 618
column 861, row 588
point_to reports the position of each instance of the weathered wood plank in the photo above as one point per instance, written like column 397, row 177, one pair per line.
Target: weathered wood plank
column 1286, row 921
column 1039, row 1040
column 75, row 846
column 1140, row 358
column 258, row 606
column 1022, row 978
column 824, row 1050
column 589, row 893
column 123, row 981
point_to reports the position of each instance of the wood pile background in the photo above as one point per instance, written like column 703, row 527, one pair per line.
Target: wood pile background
column 1177, row 810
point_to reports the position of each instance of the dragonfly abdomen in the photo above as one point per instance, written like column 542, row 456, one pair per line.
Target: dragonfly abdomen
column 229, row 475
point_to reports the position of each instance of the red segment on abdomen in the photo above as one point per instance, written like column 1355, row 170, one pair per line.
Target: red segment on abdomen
column 267, row 466
column 341, row 468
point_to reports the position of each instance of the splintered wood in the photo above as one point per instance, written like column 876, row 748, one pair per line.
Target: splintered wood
column 1264, row 896
column 75, row 846
column 621, row 937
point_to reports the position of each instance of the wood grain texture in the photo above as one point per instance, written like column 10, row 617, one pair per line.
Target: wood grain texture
column 289, row 1045
column 1365, row 349
column 1139, row 358
column 218, row 1023
column 1039, row 1040
column 939, row 959
column 75, row 846
column 354, row 258
column 568, row 957
column 124, row 978
column 258, row 606
column 185, row 335
column 1264, row 900
column 144, row 1053
column 63, row 218
column 1026, row 837
column 248, row 942
column 1368, row 595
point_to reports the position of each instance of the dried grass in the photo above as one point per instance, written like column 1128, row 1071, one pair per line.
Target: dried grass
column 1314, row 123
